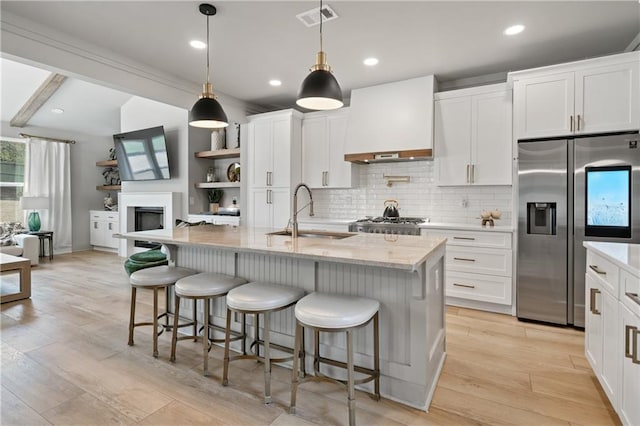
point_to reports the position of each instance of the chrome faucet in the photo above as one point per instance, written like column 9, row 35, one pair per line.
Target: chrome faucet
column 294, row 225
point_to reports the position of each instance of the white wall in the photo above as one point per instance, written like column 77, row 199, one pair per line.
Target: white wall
column 85, row 176
column 419, row 198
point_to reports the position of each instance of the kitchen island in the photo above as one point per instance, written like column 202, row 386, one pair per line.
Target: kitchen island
column 404, row 273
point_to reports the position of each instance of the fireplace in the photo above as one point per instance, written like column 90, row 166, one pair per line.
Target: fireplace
column 146, row 219
column 168, row 202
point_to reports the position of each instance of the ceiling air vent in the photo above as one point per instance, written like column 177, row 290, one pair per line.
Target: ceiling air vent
column 311, row 18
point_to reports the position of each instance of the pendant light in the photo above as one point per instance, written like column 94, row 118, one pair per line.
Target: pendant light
column 207, row 111
column 320, row 90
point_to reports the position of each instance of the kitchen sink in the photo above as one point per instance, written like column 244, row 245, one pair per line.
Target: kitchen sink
column 315, row 234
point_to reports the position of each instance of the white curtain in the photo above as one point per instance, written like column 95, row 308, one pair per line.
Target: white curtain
column 47, row 174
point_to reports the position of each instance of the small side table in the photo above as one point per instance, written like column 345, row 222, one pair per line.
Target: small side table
column 44, row 236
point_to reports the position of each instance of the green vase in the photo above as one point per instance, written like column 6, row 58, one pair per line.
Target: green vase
column 34, row 222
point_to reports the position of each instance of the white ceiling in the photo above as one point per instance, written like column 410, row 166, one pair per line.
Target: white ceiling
column 255, row 41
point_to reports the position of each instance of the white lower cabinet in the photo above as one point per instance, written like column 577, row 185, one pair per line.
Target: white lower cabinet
column 628, row 407
column 214, row 219
column 612, row 334
column 270, row 207
column 103, row 225
column 479, row 267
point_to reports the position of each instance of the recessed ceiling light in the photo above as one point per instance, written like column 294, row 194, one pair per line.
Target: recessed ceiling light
column 514, row 29
column 57, row 111
column 275, row 82
column 370, row 62
column 197, row 44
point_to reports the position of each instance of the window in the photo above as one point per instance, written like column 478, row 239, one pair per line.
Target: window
column 12, row 163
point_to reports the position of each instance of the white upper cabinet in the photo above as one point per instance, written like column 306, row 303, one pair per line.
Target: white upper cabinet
column 274, row 154
column 323, row 148
column 391, row 117
column 593, row 96
column 473, row 136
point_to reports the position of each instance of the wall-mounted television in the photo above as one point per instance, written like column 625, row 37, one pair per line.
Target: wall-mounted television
column 142, row 154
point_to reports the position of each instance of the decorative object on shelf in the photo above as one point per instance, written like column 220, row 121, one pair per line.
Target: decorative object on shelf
column 207, row 111
column 211, row 174
column 218, row 139
column 233, row 172
column 111, row 176
column 34, row 204
column 215, row 195
column 320, row 89
column 233, row 136
column 489, row 216
column 112, row 154
column 109, row 204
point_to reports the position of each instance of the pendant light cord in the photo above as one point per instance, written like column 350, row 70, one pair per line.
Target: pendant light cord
column 208, row 53
column 321, row 25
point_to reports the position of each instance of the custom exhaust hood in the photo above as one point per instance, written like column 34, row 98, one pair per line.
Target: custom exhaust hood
column 391, row 122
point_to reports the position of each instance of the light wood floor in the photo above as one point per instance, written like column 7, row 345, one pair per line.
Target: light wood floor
column 65, row 360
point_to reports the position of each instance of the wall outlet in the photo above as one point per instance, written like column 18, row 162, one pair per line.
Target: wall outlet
column 464, row 202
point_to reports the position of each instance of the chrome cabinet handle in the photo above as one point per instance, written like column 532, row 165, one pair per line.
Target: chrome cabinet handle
column 578, row 123
column 634, row 297
column 95, row 225
column 597, row 270
column 468, row 173
column 571, row 123
column 464, row 259
column 592, row 308
column 464, row 285
column 631, row 345
column 473, row 173
column 110, row 227
column 464, row 238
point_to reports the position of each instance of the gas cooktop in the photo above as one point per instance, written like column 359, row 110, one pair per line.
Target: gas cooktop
column 390, row 220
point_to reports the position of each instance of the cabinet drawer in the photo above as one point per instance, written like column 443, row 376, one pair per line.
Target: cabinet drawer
column 479, row 260
column 474, row 238
column 630, row 291
column 484, row 288
column 604, row 271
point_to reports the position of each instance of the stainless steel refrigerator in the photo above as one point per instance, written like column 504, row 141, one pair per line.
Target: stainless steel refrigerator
column 571, row 191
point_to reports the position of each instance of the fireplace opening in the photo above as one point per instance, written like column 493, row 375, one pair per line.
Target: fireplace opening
column 146, row 219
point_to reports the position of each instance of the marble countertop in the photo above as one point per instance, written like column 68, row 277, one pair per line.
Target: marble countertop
column 626, row 256
column 388, row 251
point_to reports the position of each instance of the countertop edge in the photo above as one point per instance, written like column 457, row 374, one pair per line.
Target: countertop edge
column 599, row 248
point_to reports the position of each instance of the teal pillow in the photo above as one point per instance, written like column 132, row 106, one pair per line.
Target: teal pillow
column 148, row 256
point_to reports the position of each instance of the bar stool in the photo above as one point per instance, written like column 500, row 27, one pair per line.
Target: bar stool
column 336, row 313
column 259, row 298
column 155, row 278
column 205, row 286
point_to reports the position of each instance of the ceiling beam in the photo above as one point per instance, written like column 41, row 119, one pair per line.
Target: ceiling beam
column 39, row 97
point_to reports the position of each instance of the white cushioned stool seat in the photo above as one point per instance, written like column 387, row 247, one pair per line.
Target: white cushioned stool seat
column 335, row 311
column 262, row 296
column 206, row 284
column 159, row 275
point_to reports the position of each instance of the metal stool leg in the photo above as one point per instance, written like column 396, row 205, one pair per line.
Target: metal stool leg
column 225, row 374
column 205, row 335
column 316, row 351
column 155, row 322
column 132, row 314
column 350, row 378
column 195, row 322
column 376, row 356
column 267, row 360
column 294, row 370
column 174, row 333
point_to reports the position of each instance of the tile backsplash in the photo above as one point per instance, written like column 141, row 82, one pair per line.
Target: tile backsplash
column 418, row 198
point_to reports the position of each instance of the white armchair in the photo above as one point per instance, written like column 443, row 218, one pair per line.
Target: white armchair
column 27, row 246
